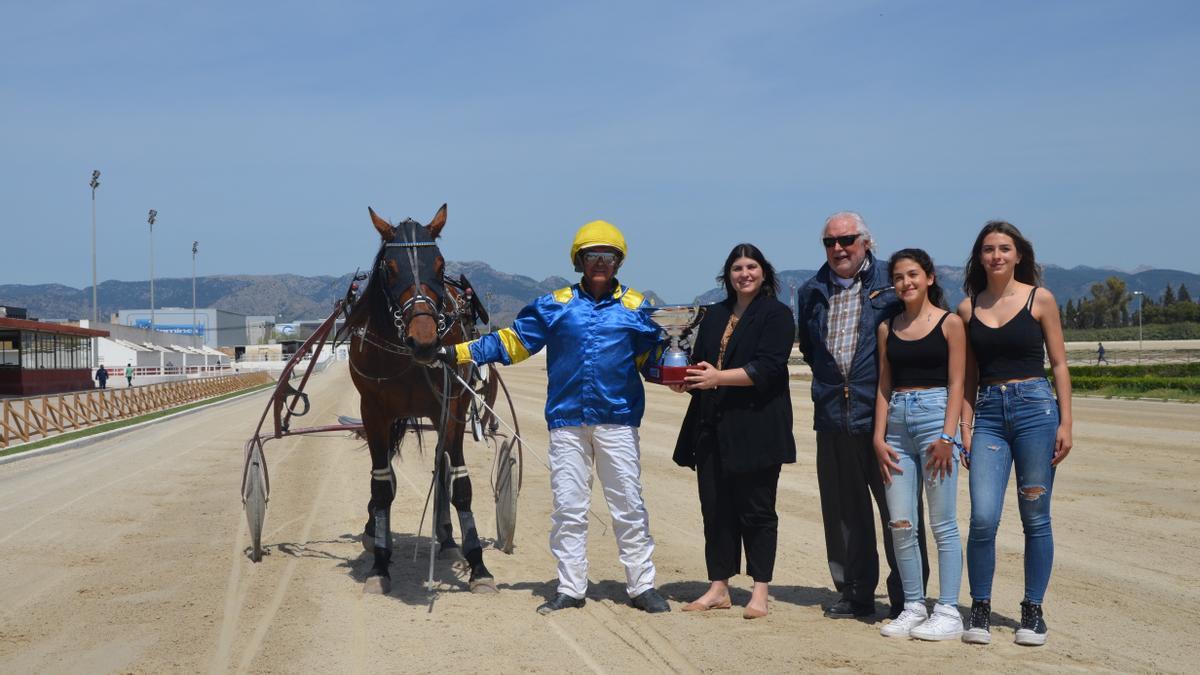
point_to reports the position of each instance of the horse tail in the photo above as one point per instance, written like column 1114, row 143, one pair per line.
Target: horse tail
column 396, row 434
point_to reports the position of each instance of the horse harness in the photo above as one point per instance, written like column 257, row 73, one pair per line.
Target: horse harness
column 456, row 307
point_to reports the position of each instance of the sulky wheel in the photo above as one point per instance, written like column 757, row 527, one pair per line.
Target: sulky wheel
column 254, row 497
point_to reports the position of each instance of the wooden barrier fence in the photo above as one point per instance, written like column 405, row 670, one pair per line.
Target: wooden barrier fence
column 36, row 417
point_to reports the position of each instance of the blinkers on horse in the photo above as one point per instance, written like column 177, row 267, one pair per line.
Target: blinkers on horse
column 412, row 272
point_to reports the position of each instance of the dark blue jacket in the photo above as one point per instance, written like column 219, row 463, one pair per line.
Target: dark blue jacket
column 841, row 404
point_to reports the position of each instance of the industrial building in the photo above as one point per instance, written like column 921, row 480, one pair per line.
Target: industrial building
column 217, row 327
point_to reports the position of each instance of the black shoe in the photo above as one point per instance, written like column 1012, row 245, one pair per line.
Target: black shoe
column 844, row 609
column 650, row 602
column 560, row 601
column 1032, row 632
column 978, row 630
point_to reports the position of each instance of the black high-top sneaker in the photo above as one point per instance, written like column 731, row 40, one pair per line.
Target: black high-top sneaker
column 979, row 626
column 1032, row 632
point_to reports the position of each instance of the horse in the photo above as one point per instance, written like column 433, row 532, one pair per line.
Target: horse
column 406, row 312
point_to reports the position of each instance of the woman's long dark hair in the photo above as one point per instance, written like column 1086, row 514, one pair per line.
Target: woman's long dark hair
column 751, row 251
column 1027, row 271
column 936, row 295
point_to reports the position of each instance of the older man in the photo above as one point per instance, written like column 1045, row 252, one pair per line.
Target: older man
column 839, row 309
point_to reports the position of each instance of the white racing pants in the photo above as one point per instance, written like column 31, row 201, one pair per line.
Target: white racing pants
column 613, row 449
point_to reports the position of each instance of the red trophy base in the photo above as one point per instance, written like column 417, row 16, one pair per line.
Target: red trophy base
column 660, row 374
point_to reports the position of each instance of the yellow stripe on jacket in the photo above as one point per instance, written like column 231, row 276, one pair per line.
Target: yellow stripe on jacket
column 508, row 339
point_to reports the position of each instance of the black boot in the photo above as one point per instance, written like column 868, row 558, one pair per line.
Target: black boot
column 560, row 601
column 979, row 626
column 1032, row 632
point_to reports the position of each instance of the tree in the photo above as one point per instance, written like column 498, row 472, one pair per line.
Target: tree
column 1168, row 298
column 1107, row 301
column 1184, row 296
column 1070, row 314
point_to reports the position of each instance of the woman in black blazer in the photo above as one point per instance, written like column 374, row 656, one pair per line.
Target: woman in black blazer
column 738, row 429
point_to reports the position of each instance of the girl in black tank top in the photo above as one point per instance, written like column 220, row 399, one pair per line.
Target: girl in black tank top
column 1009, row 408
column 921, row 362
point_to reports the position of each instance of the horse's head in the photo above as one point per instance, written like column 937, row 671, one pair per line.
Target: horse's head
column 411, row 272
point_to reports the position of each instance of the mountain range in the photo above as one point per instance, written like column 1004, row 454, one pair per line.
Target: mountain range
column 291, row 297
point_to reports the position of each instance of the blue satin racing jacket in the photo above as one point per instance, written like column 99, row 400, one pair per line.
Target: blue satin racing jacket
column 594, row 352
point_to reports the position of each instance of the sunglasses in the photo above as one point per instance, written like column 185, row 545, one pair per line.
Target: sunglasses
column 845, row 240
column 592, row 257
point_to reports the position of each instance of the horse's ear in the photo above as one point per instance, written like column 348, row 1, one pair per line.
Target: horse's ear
column 438, row 222
column 385, row 229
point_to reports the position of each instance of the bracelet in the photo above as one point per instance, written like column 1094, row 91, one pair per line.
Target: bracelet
column 946, row 438
column 966, row 425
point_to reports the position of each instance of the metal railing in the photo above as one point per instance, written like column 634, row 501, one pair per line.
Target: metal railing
column 37, row 417
column 1127, row 357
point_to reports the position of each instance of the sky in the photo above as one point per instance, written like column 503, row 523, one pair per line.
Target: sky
column 265, row 130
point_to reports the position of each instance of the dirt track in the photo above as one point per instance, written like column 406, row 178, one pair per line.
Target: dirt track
column 127, row 555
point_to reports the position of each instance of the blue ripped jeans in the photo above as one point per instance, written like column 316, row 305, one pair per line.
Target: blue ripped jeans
column 1014, row 424
column 915, row 420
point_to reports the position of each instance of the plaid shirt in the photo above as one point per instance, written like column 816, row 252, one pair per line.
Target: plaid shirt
column 845, row 308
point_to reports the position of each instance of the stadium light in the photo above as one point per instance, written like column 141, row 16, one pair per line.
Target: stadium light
column 153, row 215
column 195, row 327
column 1140, row 295
column 95, row 183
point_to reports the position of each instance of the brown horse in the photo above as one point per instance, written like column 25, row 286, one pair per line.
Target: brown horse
column 406, row 312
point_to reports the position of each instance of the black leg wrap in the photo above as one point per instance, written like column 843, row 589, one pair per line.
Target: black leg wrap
column 472, row 547
column 383, row 541
column 441, row 514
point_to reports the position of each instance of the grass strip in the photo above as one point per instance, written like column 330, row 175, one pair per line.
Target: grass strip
column 109, row 426
column 1152, row 394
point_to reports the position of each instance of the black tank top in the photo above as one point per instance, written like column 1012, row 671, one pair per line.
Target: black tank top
column 918, row 363
column 1015, row 350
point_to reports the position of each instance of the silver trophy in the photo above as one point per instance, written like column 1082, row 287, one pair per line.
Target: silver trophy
column 678, row 322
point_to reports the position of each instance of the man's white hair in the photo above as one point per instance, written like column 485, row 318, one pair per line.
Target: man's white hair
column 859, row 224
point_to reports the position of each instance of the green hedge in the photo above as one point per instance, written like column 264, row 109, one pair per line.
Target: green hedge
column 1136, row 383
column 1184, row 330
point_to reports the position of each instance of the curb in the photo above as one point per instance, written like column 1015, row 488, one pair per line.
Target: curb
column 88, row 440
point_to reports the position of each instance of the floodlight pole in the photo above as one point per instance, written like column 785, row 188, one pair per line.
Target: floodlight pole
column 95, row 183
column 195, row 326
column 150, row 219
column 1139, row 295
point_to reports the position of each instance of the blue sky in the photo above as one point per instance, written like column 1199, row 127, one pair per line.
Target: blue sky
column 264, row 130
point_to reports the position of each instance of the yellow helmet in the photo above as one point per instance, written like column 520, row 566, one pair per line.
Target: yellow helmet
column 597, row 233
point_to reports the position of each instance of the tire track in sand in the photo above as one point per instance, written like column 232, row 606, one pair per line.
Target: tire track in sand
column 264, row 623
column 235, row 595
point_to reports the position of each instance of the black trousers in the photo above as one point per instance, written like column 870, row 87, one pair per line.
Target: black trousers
column 739, row 512
column 848, row 476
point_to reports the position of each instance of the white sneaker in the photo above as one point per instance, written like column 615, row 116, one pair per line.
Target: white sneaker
column 944, row 624
column 914, row 614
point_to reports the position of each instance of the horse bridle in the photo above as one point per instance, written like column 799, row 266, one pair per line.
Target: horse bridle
column 398, row 310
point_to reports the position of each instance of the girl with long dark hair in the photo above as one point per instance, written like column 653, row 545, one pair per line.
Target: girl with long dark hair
column 738, row 429
column 922, row 357
column 1011, row 417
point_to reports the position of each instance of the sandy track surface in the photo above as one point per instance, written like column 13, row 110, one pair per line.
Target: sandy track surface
column 128, row 555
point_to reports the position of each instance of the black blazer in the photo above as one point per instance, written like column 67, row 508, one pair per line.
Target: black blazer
column 753, row 424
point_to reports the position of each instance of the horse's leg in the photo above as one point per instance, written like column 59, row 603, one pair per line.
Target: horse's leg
column 383, row 491
column 481, row 580
column 448, row 549
column 491, row 389
column 396, row 431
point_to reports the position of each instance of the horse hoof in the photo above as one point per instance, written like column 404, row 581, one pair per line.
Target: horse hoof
column 484, row 586
column 453, row 554
column 377, row 585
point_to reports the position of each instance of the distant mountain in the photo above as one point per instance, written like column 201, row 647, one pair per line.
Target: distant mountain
column 1074, row 283
column 287, row 297
column 290, row 297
